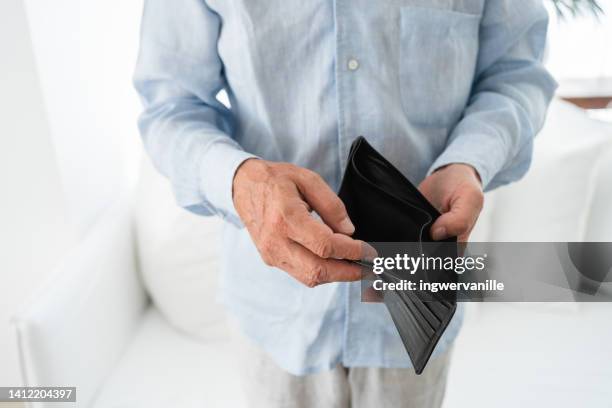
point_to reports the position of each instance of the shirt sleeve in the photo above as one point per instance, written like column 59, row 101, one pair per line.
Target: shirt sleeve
column 510, row 95
column 186, row 131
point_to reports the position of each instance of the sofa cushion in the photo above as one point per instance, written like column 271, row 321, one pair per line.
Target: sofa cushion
column 599, row 223
column 74, row 328
column 178, row 257
column 164, row 368
column 552, row 202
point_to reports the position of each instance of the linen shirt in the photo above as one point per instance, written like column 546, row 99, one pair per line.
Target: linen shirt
column 428, row 82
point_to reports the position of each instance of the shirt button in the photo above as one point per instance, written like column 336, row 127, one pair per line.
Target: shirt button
column 353, row 64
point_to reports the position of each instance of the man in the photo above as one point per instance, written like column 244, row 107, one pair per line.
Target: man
column 452, row 92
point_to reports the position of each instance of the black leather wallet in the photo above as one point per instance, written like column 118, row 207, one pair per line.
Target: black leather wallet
column 386, row 207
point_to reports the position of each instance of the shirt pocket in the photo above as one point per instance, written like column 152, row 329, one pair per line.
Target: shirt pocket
column 438, row 54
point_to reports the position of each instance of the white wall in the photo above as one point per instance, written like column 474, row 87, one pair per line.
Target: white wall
column 34, row 233
column 86, row 52
column 581, row 47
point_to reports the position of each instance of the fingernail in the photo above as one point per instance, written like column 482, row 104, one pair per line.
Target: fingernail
column 346, row 226
column 439, row 233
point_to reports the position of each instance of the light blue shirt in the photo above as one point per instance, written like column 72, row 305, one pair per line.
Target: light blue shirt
column 428, row 82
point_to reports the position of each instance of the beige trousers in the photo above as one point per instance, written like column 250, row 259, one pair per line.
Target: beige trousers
column 268, row 386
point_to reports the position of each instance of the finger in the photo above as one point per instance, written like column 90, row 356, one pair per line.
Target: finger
column 459, row 220
column 321, row 240
column 312, row 270
column 325, row 202
column 465, row 236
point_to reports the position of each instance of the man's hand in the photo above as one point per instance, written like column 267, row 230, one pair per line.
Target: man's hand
column 456, row 191
column 274, row 201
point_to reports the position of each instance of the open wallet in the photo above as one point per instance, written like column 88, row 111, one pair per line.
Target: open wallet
column 386, row 207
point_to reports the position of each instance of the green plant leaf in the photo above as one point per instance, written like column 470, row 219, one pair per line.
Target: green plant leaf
column 573, row 8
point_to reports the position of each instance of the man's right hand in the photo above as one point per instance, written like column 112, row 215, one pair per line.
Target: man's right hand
column 275, row 200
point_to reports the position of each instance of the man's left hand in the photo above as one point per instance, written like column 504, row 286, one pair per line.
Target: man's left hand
column 456, row 191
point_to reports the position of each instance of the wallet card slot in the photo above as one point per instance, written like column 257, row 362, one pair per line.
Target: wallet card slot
column 422, row 321
column 409, row 330
column 400, row 322
column 427, row 314
column 438, row 308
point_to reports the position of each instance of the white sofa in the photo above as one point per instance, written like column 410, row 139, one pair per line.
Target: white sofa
column 94, row 326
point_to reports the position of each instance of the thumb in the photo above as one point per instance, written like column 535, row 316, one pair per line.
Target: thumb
column 325, row 202
column 459, row 220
